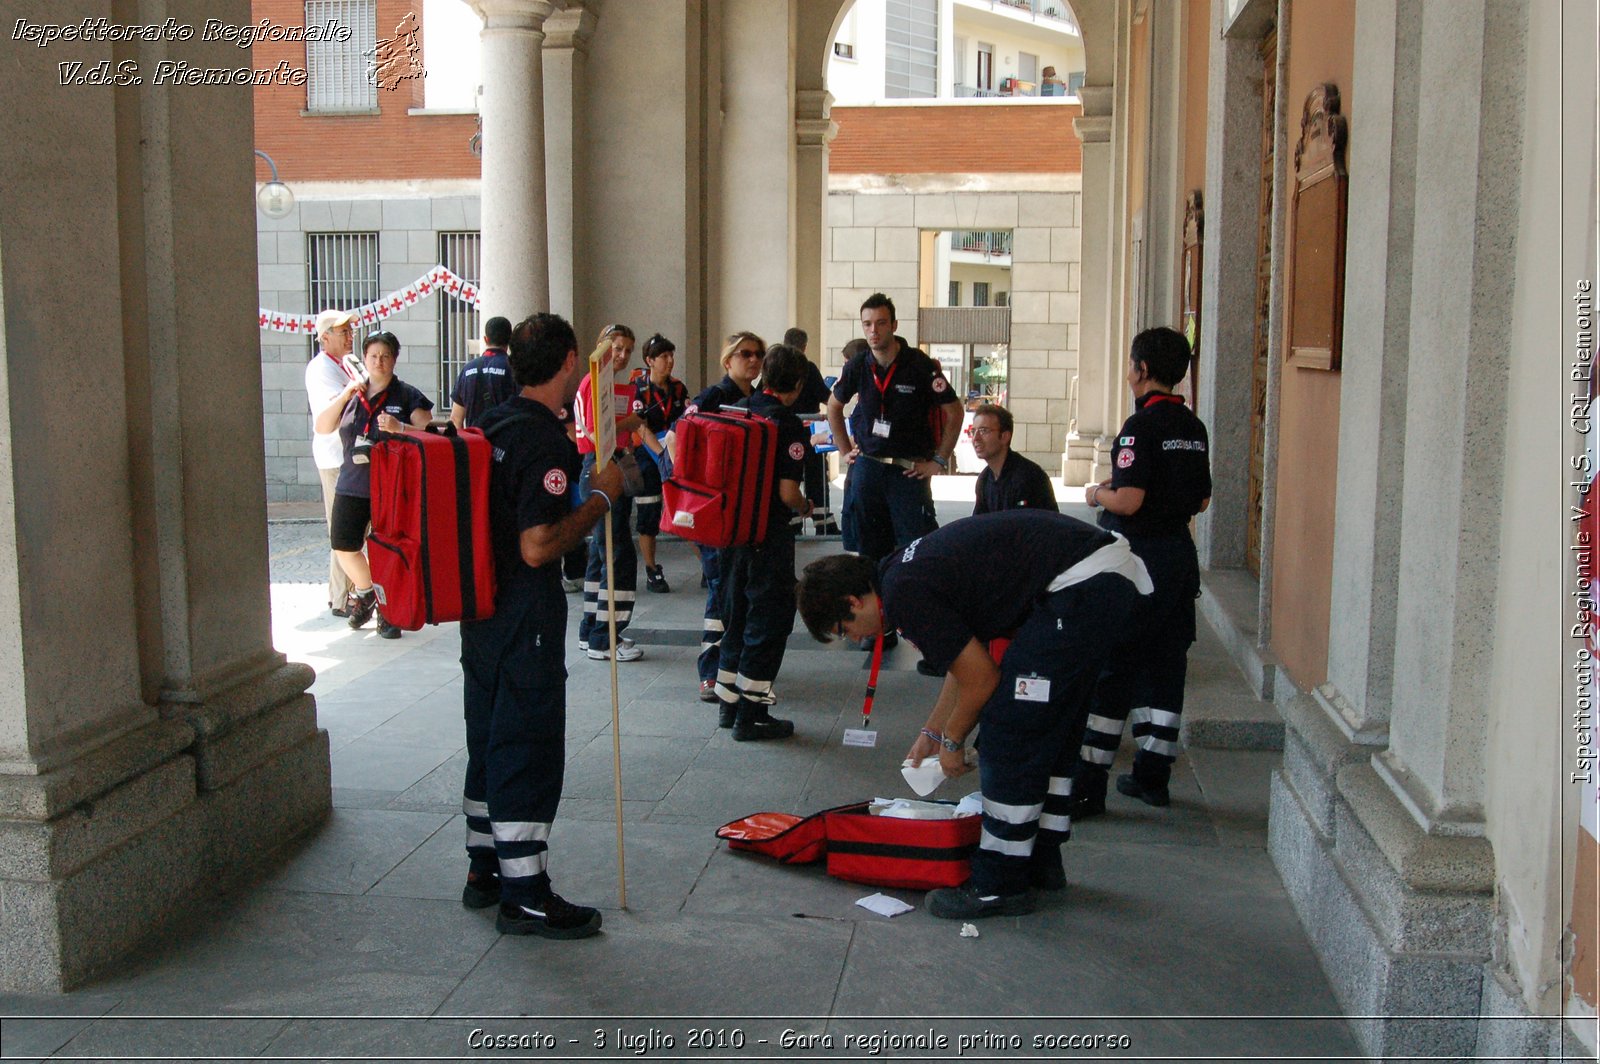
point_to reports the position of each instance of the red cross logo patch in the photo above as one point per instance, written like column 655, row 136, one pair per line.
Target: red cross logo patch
column 797, row 450
column 555, row 482
column 1125, row 458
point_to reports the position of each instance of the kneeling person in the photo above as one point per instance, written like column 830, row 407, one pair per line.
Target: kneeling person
column 758, row 580
column 514, row 663
column 1065, row 593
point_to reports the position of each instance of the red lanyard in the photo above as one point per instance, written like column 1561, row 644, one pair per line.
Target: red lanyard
column 373, row 407
column 883, row 382
column 872, row 678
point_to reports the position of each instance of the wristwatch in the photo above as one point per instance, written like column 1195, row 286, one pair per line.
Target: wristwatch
column 955, row 746
column 941, row 461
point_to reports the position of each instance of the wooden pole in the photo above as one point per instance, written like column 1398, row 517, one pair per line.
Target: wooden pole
column 616, row 715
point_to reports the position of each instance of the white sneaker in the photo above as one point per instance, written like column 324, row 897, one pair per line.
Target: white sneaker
column 571, row 586
column 626, row 651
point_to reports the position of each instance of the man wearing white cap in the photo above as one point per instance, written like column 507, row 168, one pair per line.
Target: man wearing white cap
column 326, row 377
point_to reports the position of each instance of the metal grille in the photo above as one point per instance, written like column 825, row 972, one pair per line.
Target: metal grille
column 911, row 41
column 341, row 271
column 984, row 242
column 336, row 71
column 459, row 324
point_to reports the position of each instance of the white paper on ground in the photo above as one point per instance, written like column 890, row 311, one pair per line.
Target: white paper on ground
column 860, row 737
column 884, row 905
column 969, row 931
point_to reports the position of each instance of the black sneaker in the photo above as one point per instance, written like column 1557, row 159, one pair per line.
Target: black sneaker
column 481, row 891
column 387, row 630
column 1148, row 793
column 655, row 580
column 361, row 607
column 762, row 728
column 553, row 917
column 339, row 611
column 726, row 716
column 965, row 903
column 926, row 668
column 1045, row 870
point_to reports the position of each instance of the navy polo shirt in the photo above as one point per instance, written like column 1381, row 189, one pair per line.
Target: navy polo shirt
column 1021, row 483
column 1162, row 448
column 660, row 407
column 484, row 382
column 721, row 394
column 360, row 418
column 978, row 578
column 903, row 395
column 794, row 444
column 533, row 464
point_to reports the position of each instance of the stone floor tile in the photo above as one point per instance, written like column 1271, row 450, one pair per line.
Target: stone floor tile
column 650, row 767
column 353, row 850
column 376, row 764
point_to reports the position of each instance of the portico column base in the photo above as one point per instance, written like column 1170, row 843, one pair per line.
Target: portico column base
column 1401, row 920
column 105, row 848
column 1077, row 460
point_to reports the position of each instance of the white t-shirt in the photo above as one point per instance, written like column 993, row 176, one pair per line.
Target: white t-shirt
column 325, row 379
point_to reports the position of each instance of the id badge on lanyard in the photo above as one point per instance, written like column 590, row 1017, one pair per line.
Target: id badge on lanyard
column 880, row 424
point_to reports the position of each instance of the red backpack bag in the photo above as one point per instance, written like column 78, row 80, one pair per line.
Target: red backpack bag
column 719, row 494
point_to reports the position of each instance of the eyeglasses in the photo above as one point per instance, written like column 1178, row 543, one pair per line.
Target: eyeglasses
column 747, row 354
column 979, row 434
column 838, row 630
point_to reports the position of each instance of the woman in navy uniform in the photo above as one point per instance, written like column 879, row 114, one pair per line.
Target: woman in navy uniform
column 741, row 365
column 1160, row 478
column 659, row 399
column 1065, row 593
column 514, row 663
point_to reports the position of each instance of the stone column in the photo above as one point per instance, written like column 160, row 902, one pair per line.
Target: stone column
column 813, row 131
column 1228, row 289
column 516, row 264
column 1095, row 375
column 1372, row 402
column 1455, row 412
column 151, row 739
column 758, row 193
column 566, row 53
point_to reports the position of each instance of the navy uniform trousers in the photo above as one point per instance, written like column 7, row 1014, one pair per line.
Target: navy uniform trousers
column 1146, row 683
column 593, row 630
column 711, row 626
column 515, row 670
column 1029, row 747
column 889, row 509
column 758, row 615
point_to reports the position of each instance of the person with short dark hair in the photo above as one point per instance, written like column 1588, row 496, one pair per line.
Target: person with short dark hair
column 514, row 663
column 1064, row 593
column 741, row 365
column 381, row 402
column 1161, row 478
column 758, row 579
column 484, row 382
column 1009, row 481
column 895, row 453
column 814, row 392
column 659, row 399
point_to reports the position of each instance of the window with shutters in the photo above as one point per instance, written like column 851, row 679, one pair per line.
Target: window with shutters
column 911, row 45
column 336, row 70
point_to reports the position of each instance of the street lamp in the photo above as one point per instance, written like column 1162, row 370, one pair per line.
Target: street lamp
column 274, row 198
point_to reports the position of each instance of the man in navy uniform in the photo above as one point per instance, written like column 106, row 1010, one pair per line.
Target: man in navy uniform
column 485, row 382
column 1161, row 478
column 895, row 455
column 1009, row 481
column 514, row 663
column 1066, row 595
column 758, row 579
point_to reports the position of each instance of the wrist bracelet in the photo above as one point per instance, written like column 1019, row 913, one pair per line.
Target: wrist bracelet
column 1094, row 496
column 603, row 495
column 931, row 734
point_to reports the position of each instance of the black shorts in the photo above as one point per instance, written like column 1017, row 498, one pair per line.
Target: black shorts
column 347, row 528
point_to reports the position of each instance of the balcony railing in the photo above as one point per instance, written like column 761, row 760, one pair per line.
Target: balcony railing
column 1012, row 87
column 1052, row 9
column 983, row 242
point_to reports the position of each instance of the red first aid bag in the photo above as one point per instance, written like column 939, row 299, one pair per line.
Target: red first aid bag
column 720, row 492
column 431, row 554
column 886, row 851
column 881, row 851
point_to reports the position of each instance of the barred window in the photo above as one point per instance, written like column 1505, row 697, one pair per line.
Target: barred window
column 911, row 43
column 459, row 322
column 341, row 271
column 336, row 70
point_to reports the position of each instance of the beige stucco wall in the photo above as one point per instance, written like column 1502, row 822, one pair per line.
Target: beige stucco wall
column 873, row 244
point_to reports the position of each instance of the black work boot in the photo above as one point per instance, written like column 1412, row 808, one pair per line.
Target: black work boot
column 1045, row 868
column 754, row 724
column 1088, row 796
